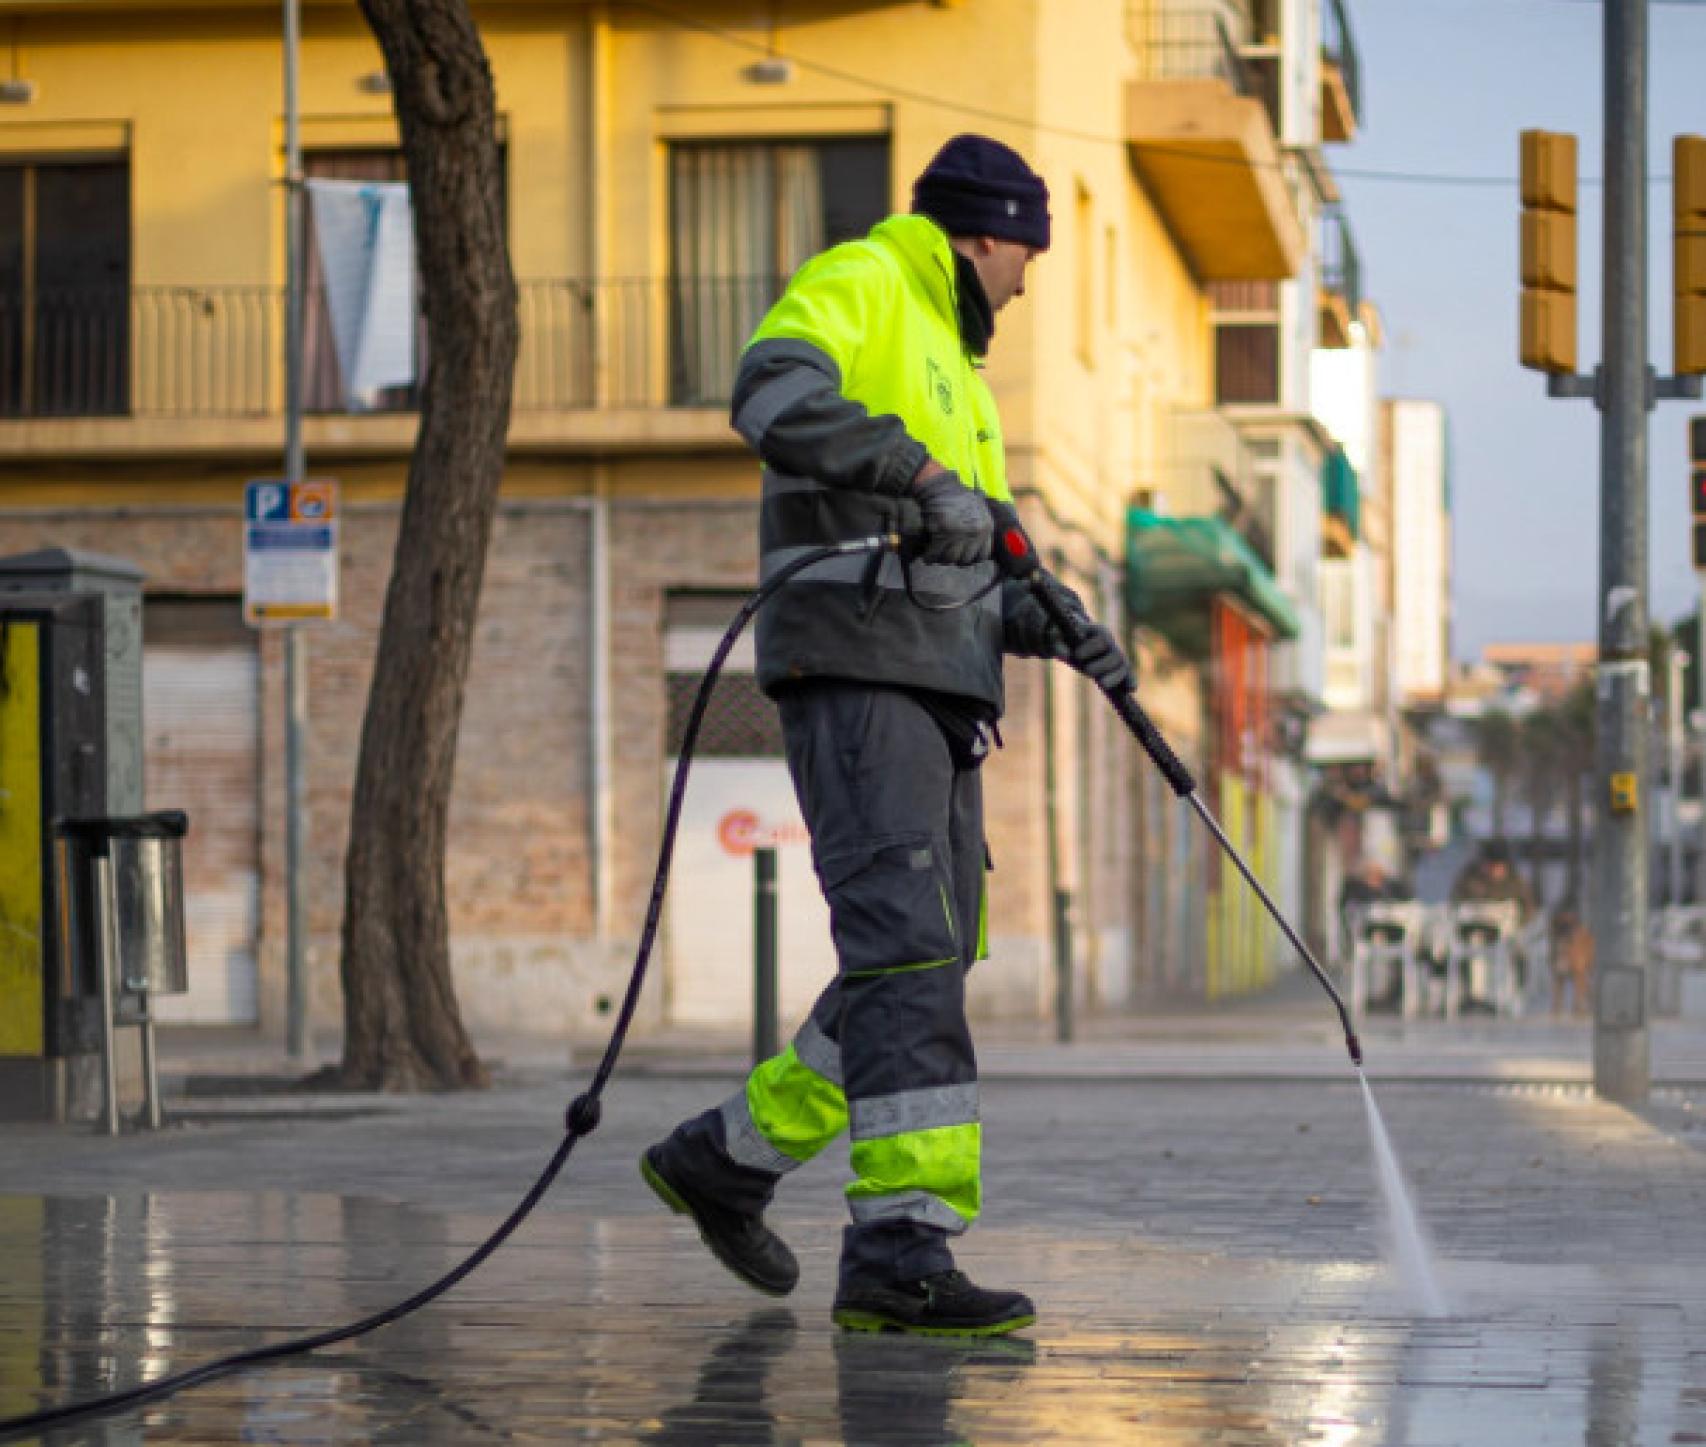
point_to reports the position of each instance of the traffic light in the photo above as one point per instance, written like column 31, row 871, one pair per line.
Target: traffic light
column 1548, row 251
column 1688, row 187
column 1697, row 487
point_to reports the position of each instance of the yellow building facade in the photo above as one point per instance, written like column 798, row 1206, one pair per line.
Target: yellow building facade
column 665, row 166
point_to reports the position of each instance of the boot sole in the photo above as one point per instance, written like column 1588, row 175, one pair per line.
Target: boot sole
column 678, row 1204
column 871, row 1321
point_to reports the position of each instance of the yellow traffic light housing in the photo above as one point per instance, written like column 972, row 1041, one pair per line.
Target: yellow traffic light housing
column 1688, row 187
column 1548, row 337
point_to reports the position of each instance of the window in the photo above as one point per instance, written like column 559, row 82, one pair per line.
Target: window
column 65, row 288
column 1084, row 247
column 1246, row 342
column 740, row 722
column 743, row 217
column 1111, row 276
column 1246, row 363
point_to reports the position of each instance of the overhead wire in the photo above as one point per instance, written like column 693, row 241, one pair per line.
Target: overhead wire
column 894, row 91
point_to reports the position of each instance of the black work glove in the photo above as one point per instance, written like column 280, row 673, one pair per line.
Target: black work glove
column 958, row 530
column 1099, row 657
column 1028, row 632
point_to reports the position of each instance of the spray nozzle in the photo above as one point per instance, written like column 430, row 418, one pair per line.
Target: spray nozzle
column 1355, row 1047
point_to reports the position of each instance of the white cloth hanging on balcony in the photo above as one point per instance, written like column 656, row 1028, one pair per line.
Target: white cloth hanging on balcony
column 365, row 234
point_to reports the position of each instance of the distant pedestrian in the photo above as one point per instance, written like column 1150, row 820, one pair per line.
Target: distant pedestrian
column 1491, row 878
column 1572, row 952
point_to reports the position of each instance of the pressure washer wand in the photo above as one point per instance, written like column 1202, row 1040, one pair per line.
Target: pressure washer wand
column 1016, row 556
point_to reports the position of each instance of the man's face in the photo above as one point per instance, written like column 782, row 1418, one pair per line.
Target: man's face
column 1001, row 268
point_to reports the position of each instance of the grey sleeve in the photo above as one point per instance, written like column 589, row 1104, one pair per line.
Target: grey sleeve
column 789, row 407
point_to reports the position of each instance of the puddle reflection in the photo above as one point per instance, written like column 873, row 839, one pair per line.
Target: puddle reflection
column 612, row 1328
column 731, row 1397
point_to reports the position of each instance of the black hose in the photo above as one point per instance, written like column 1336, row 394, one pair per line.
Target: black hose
column 581, row 1118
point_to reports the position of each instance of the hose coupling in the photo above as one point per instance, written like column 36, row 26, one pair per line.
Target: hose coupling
column 583, row 1116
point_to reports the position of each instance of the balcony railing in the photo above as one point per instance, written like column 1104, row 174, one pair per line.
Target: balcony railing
column 1340, row 266
column 218, row 351
column 1179, row 42
column 1338, row 47
column 1176, row 42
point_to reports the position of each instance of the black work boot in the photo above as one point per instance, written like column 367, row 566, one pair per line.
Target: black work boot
column 738, row 1239
column 946, row 1304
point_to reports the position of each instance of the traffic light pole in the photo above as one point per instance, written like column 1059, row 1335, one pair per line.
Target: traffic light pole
column 1624, row 388
column 1621, row 1061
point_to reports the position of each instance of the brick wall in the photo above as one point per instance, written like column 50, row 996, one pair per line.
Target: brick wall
column 518, row 871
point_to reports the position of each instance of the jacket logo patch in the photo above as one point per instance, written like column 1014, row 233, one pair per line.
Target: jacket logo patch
column 940, row 387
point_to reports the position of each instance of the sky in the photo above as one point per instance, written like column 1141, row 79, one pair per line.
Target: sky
column 1447, row 87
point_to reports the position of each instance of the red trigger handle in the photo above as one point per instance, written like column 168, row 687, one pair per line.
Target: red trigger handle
column 1014, row 554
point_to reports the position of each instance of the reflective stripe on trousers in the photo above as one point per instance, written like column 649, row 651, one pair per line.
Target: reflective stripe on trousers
column 916, row 1153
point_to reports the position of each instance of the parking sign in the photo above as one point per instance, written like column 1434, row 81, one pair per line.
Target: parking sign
column 290, row 552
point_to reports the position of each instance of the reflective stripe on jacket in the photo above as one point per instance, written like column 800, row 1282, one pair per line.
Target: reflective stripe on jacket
column 856, row 375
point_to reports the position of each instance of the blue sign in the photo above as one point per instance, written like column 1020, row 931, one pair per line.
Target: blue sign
column 321, row 537
column 267, row 502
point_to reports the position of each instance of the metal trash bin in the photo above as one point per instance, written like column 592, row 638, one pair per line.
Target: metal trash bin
column 121, row 897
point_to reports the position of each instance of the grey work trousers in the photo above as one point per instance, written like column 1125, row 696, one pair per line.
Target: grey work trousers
column 897, row 838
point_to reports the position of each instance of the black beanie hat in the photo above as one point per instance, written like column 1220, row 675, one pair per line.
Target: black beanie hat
column 975, row 186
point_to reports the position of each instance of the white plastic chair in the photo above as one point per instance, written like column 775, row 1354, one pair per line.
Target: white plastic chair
column 1483, row 934
column 1386, row 934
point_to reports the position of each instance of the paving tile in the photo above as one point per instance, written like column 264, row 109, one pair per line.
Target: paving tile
column 1207, row 1257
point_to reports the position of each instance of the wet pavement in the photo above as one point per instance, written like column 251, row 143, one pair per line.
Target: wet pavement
column 1205, row 1256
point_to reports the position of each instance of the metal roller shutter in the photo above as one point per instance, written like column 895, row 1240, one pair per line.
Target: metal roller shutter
column 741, row 796
column 201, row 712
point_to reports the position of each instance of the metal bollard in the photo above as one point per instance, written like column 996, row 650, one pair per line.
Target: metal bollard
column 106, row 964
column 764, row 1043
column 1063, row 1016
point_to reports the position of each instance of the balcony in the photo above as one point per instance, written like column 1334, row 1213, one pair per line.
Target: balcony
column 1338, row 280
column 1207, row 472
column 1202, row 136
column 1341, row 79
column 1341, row 505
column 1177, row 568
column 635, row 363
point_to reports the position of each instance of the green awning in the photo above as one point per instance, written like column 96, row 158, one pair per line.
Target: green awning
column 1176, row 566
column 1341, row 493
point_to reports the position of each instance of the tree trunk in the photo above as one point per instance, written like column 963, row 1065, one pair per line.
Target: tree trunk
column 402, row 1027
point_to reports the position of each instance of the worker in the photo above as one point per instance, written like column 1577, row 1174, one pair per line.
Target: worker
column 861, row 394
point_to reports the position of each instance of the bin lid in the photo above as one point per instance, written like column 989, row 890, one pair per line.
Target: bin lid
column 54, row 569
column 165, row 824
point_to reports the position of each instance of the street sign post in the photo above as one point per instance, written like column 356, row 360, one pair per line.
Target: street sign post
column 290, row 577
column 290, row 552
